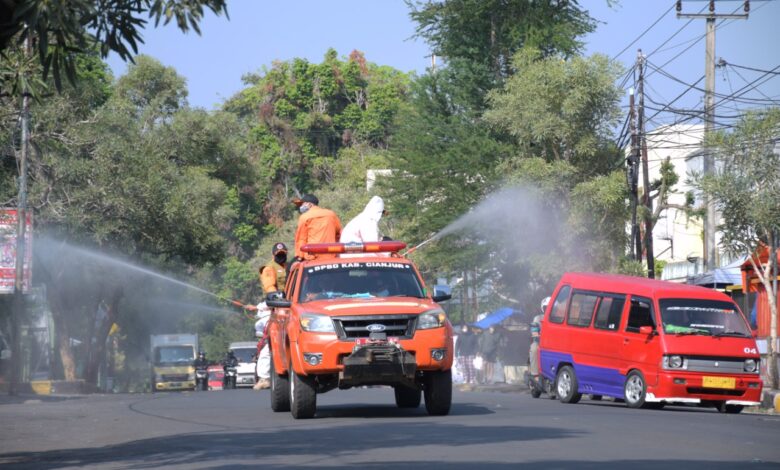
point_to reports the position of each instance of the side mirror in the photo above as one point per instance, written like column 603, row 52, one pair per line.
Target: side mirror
column 646, row 330
column 441, row 293
column 277, row 300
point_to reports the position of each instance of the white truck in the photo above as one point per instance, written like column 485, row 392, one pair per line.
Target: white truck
column 172, row 358
column 245, row 352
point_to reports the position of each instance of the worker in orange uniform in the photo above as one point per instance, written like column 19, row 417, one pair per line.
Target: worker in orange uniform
column 274, row 274
column 315, row 225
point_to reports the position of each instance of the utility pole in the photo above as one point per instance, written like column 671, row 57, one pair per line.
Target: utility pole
column 633, row 177
column 711, row 254
column 646, row 201
column 21, row 228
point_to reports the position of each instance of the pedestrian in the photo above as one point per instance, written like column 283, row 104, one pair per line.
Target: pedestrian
column 273, row 275
column 513, row 353
column 365, row 226
column 315, row 225
column 465, row 351
column 488, row 351
column 536, row 332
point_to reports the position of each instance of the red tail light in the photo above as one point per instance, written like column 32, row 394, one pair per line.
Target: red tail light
column 369, row 247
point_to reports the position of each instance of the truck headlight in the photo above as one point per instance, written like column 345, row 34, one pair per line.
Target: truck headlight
column 317, row 323
column 431, row 319
column 751, row 365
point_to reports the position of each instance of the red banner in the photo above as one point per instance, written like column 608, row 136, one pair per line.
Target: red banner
column 8, row 230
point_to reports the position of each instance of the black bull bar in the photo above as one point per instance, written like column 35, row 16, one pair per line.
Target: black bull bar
column 378, row 364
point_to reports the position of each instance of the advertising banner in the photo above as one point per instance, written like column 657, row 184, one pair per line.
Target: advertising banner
column 8, row 221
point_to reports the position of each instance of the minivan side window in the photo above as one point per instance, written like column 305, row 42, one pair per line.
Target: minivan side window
column 581, row 309
column 558, row 312
column 641, row 314
column 609, row 313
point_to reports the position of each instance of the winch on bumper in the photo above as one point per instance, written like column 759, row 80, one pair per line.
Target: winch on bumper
column 378, row 363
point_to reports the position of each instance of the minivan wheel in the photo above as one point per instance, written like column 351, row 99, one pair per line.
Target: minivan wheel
column 729, row 409
column 635, row 390
column 280, row 391
column 303, row 395
column 566, row 385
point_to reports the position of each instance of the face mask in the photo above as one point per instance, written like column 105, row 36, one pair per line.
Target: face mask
column 303, row 208
column 281, row 258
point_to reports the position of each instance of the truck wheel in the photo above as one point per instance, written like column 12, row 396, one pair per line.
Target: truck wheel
column 566, row 385
column 635, row 390
column 303, row 395
column 280, row 391
column 438, row 392
column 407, row 397
column 729, row 409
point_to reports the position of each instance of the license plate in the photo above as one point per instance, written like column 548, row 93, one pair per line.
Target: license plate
column 718, row 382
column 175, row 385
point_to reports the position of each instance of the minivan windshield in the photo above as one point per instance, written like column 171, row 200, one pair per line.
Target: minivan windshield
column 702, row 317
column 359, row 280
column 244, row 354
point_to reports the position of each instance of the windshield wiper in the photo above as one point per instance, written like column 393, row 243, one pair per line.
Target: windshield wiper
column 731, row 333
column 692, row 332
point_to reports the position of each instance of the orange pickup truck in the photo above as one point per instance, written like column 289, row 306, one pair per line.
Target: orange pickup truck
column 366, row 319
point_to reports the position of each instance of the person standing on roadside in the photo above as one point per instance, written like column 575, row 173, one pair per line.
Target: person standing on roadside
column 488, row 350
column 536, row 332
column 465, row 351
column 315, row 225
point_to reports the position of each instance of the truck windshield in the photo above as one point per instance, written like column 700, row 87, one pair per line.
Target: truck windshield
column 702, row 317
column 360, row 280
column 244, row 354
column 174, row 355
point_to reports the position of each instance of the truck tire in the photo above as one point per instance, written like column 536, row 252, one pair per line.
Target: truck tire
column 407, row 397
column 438, row 392
column 303, row 395
column 566, row 385
column 280, row 391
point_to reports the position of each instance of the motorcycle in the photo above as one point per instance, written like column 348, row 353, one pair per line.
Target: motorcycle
column 540, row 384
column 201, row 379
column 229, row 382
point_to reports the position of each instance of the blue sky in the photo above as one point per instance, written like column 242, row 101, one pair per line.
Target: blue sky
column 260, row 32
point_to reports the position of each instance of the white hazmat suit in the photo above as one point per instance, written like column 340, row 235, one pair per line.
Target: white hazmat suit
column 263, row 366
column 365, row 226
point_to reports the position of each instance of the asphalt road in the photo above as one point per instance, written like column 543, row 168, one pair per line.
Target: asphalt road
column 363, row 428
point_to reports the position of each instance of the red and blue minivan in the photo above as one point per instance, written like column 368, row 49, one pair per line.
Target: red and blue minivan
column 649, row 343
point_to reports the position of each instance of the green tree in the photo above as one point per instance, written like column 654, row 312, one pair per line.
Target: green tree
column 746, row 190
column 61, row 29
column 560, row 109
column 478, row 39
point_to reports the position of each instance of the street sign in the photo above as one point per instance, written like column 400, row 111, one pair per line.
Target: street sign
column 8, row 229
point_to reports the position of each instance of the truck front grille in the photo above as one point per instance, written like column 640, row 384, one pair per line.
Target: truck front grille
column 174, row 377
column 398, row 326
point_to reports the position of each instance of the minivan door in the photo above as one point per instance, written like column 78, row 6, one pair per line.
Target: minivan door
column 641, row 350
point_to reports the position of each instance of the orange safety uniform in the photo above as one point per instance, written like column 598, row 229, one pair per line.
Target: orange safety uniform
column 317, row 225
column 273, row 277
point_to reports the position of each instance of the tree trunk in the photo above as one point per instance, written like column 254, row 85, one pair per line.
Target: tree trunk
column 98, row 349
column 63, row 335
column 772, row 298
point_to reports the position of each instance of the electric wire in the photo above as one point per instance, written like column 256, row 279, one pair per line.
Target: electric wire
column 645, row 31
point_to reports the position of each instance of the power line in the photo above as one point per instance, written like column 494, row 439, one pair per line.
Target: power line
column 645, row 31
